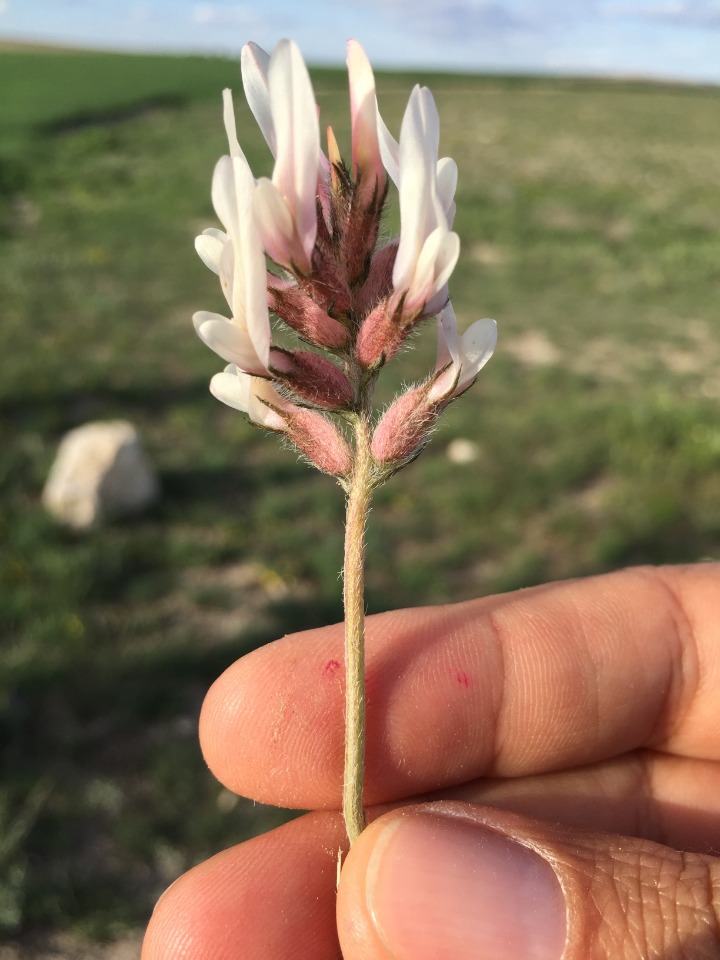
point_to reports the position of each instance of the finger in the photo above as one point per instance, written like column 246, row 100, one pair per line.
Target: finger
column 460, row 881
column 531, row 682
column 672, row 800
column 271, row 897
column 275, row 895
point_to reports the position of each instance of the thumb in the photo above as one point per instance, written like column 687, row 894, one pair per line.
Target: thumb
column 467, row 882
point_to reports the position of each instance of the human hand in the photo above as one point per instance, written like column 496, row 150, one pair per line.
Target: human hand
column 565, row 741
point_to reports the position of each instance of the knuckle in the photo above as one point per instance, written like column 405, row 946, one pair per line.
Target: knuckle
column 646, row 902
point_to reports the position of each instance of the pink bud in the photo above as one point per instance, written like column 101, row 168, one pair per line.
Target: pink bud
column 312, row 378
column 378, row 283
column 405, row 427
column 298, row 311
column 326, row 284
column 320, row 441
column 382, row 333
column 360, row 228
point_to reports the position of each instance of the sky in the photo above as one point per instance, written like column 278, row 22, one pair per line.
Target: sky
column 664, row 39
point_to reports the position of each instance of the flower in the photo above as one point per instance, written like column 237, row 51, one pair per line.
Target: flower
column 460, row 358
column 367, row 164
column 446, row 169
column 408, row 422
column 285, row 207
column 313, row 434
column 428, row 249
column 237, row 257
column 251, row 395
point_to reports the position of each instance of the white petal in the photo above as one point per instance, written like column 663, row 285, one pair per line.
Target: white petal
column 232, row 388
column 447, row 176
column 254, row 64
column 477, row 346
column 422, row 286
column 443, row 385
column 226, row 272
column 446, row 260
column 448, row 322
column 209, row 246
column 249, row 295
column 389, row 150
column 229, row 120
column 448, row 353
column 228, row 340
column 416, row 170
column 261, row 391
column 297, row 129
column 275, row 224
column 436, row 262
column 223, row 194
column 421, row 211
column 437, row 303
column 363, row 110
column 242, row 392
column 204, row 316
column 448, row 346
column 265, row 417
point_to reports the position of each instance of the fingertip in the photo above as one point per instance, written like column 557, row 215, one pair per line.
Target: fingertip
column 272, row 896
column 224, row 700
column 184, row 920
column 270, row 723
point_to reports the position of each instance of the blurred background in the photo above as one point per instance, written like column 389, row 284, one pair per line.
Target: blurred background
column 588, row 143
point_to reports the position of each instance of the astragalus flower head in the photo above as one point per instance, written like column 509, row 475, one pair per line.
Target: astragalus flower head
column 352, row 300
column 303, row 245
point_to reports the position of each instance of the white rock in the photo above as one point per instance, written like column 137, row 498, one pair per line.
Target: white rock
column 462, row 451
column 100, row 473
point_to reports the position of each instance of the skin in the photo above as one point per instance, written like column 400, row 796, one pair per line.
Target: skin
column 581, row 718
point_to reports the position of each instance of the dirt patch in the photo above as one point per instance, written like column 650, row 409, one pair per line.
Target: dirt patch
column 489, row 254
column 223, row 601
column 533, row 349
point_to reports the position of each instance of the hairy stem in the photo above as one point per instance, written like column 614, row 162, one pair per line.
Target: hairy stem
column 358, row 503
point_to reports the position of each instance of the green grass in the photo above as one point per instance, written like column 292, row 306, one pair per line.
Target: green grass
column 590, row 221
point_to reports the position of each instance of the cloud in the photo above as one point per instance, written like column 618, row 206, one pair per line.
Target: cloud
column 215, row 15
column 487, row 21
column 695, row 13
column 511, row 19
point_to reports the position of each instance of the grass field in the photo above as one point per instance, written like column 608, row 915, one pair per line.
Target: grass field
column 589, row 214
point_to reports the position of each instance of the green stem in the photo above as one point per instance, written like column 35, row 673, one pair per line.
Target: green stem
column 358, row 504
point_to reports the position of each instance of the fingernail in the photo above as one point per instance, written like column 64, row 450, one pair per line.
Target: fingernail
column 447, row 887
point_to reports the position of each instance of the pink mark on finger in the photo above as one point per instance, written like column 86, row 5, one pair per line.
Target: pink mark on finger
column 462, row 678
column 331, row 668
